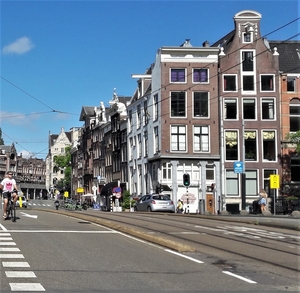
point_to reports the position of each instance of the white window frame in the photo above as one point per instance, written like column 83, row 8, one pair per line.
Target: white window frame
column 182, row 130
column 246, row 73
column 236, row 83
column 208, row 138
column 274, row 108
column 185, row 75
column 224, row 108
column 266, row 74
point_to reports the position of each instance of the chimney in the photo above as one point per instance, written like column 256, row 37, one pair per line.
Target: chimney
column 205, row 44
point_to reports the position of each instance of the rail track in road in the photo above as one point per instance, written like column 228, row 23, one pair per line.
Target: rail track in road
column 270, row 245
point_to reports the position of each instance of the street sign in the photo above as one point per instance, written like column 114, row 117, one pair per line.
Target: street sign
column 238, row 167
column 274, row 181
column 80, row 189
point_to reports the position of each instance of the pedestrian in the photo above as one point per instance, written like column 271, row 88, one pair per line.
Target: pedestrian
column 179, row 206
column 263, row 200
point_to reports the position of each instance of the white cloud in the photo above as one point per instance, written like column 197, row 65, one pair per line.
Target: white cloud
column 26, row 154
column 20, row 46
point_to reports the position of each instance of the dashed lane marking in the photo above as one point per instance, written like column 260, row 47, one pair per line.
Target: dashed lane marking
column 26, row 287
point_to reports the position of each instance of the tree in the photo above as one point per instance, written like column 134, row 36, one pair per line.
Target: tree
column 294, row 138
column 64, row 162
column 1, row 139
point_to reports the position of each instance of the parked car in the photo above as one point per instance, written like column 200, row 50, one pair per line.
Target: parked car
column 24, row 202
column 155, row 203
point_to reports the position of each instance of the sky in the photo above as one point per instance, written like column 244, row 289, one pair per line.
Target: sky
column 58, row 56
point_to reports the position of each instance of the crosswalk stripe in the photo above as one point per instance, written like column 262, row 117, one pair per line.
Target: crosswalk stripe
column 15, row 264
column 4, row 234
column 26, row 287
column 7, row 243
column 9, row 249
column 11, row 255
column 20, row 274
column 5, row 238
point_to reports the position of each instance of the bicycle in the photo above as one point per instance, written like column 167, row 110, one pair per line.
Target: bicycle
column 11, row 210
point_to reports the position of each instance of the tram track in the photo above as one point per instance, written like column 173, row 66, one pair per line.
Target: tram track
column 241, row 239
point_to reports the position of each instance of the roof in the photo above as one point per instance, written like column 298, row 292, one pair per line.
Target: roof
column 289, row 55
column 86, row 111
column 225, row 41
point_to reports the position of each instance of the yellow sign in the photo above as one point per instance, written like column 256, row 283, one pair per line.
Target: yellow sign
column 20, row 201
column 66, row 194
column 80, row 189
column 274, row 181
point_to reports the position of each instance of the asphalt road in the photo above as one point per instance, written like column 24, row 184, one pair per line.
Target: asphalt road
column 74, row 254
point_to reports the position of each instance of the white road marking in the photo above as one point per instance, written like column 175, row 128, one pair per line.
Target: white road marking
column 184, row 256
column 3, row 228
column 20, row 274
column 60, row 231
column 15, row 264
column 9, row 249
column 4, row 233
column 11, row 255
column 7, row 243
column 239, row 277
column 5, row 238
column 29, row 216
column 26, row 287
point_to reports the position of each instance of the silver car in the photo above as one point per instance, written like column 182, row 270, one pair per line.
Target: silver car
column 155, row 203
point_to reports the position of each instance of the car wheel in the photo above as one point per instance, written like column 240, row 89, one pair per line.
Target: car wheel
column 149, row 209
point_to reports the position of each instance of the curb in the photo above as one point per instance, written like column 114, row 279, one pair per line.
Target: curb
column 135, row 233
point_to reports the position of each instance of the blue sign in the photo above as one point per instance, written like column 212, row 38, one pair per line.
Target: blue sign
column 238, row 167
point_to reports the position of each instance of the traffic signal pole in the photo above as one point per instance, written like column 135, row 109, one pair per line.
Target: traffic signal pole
column 186, row 182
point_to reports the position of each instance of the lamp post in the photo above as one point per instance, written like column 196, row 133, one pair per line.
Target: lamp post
column 243, row 175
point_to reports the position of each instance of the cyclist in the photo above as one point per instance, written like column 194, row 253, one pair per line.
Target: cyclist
column 9, row 188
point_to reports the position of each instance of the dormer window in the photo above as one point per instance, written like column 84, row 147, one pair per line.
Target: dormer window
column 247, row 37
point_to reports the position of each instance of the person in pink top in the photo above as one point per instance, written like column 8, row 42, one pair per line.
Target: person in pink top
column 9, row 189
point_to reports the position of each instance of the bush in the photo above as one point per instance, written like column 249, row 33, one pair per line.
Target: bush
column 127, row 200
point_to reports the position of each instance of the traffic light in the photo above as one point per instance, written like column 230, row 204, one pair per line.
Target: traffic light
column 186, row 179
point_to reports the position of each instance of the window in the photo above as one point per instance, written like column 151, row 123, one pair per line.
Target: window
column 247, row 37
column 295, row 115
column 140, row 145
column 177, row 104
column 230, row 109
column 250, row 145
column 229, row 83
column 248, row 83
column 247, row 61
column 200, row 104
column 201, row 139
column 178, row 138
column 247, row 71
column 291, row 83
column 146, row 113
column 232, row 183
column 139, row 117
column 178, row 75
column 231, row 141
column 267, row 83
column 156, row 140
column 155, row 106
column 267, row 109
column 249, row 109
column 166, row 171
column 295, row 169
column 146, row 143
column 251, row 182
column 200, row 75
column 269, row 147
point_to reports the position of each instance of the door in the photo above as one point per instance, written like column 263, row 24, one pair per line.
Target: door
column 210, row 203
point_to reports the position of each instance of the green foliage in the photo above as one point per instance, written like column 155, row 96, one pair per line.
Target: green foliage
column 294, row 137
column 126, row 200
column 64, row 162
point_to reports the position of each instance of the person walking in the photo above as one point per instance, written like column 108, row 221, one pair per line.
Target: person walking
column 9, row 189
column 263, row 200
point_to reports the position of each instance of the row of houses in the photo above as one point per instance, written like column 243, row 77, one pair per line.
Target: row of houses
column 198, row 110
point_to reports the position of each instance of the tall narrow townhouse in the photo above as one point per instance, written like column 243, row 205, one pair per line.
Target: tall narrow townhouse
column 249, row 113
column 289, row 66
column 181, row 112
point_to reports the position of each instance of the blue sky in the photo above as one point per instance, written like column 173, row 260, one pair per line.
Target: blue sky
column 57, row 56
